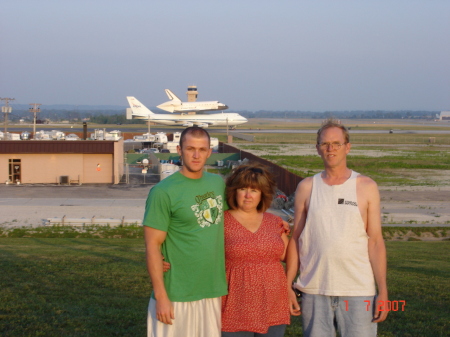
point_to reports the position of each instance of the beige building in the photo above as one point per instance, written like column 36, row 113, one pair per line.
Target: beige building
column 50, row 162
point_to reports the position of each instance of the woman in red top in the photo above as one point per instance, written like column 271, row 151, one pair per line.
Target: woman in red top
column 255, row 243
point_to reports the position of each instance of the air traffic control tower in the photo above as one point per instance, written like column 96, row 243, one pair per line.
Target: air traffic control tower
column 192, row 93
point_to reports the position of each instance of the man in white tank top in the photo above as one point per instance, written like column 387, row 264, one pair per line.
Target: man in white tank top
column 338, row 245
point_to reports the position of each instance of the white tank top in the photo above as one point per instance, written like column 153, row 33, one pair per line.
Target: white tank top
column 333, row 247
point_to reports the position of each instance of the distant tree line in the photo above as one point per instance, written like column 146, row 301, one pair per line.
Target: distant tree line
column 93, row 116
column 360, row 114
column 115, row 116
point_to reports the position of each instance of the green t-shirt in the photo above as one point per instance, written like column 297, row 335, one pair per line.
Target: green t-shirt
column 191, row 212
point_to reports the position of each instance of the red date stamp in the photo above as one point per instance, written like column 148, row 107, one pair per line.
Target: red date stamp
column 383, row 305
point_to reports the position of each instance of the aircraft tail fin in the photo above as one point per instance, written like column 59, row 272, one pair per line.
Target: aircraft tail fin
column 172, row 96
column 138, row 108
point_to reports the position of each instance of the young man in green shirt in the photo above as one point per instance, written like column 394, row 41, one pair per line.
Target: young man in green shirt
column 183, row 222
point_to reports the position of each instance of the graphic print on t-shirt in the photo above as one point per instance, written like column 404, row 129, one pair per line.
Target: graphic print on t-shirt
column 208, row 209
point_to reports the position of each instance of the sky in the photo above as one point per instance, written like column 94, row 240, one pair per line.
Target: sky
column 323, row 55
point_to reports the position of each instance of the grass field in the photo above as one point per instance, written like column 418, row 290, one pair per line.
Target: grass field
column 100, row 287
column 391, row 165
column 369, row 138
column 354, row 124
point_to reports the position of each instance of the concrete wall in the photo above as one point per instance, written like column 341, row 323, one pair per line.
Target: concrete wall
column 119, row 161
column 97, row 168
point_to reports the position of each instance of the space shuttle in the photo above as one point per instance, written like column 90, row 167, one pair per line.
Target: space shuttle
column 139, row 111
column 176, row 105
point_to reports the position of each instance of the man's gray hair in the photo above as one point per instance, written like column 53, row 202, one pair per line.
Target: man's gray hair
column 333, row 123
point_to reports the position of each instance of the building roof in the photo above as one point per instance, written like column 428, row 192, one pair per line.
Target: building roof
column 55, row 146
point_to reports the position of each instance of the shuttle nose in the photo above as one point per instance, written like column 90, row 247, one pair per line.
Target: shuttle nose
column 223, row 106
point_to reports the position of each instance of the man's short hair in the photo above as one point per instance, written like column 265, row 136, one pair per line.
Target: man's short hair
column 333, row 123
column 254, row 176
column 195, row 131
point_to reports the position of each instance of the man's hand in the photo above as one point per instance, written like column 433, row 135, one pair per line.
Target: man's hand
column 287, row 227
column 153, row 241
column 380, row 303
column 164, row 311
column 294, row 306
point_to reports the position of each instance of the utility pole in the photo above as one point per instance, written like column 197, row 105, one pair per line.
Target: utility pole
column 6, row 110
column 35, row 109
column 227, row 130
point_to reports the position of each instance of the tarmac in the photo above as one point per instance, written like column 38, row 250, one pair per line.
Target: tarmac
column 34, row 204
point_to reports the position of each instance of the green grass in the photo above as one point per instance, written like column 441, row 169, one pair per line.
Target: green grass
column 360, row 124
column 375, row 138
column 100, row 287
column 73, row 287
column 419, row 274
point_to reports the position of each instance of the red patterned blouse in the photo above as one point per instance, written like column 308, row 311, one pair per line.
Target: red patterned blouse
column 257, row 294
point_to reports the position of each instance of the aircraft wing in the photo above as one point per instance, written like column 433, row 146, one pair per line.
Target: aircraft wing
column 189, row 123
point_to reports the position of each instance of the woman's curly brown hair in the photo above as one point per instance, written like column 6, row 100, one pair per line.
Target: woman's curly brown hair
column 254, row 176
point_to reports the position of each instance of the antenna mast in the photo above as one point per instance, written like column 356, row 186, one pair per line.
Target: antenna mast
column 6, row 110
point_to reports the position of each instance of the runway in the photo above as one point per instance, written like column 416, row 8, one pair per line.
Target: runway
column 32, row 205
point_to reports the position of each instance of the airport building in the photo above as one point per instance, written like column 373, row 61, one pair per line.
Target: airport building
column 192, row 93
column 62, row 162
column 445, row 116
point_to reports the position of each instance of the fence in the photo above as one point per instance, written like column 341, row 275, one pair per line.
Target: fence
column 133, row 166
column 286, row 181
column 134, row 174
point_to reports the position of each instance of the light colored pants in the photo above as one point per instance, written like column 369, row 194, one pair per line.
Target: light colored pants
column 192, row 319
column 350, row 315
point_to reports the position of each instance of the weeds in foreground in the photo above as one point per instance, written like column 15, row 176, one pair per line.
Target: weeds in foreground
column 136, row 232
column 87, row 231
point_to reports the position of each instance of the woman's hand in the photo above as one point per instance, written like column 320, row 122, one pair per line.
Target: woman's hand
column 166, row 265
column 294, row 306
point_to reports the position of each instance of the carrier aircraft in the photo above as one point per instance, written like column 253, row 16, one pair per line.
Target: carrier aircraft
column 139, row 111
column 176, row 105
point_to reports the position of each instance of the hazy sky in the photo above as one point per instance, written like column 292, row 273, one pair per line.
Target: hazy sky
column 249, row 54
